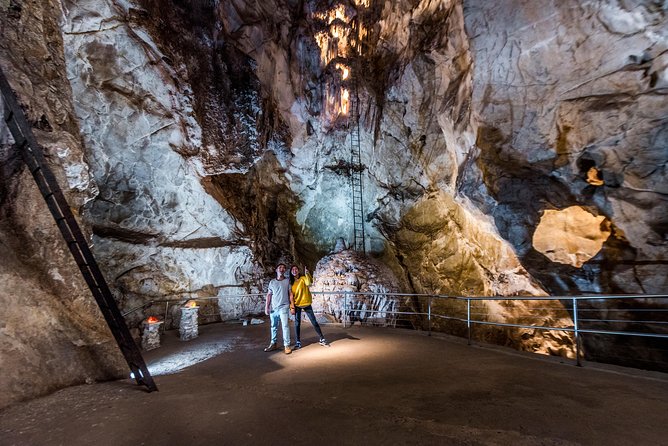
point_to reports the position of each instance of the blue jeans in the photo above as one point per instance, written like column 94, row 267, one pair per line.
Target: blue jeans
column 298, row 321
column 276, row 316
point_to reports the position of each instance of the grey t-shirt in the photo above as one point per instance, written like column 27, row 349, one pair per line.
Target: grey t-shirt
column 280, row 293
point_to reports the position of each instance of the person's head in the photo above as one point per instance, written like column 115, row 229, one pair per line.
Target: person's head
column 280, row 269
column 294, row 273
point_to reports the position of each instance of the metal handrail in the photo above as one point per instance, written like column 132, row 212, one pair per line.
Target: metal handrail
column 448, row 296
column 470, row 322
column 574, row 308
column 186, row 299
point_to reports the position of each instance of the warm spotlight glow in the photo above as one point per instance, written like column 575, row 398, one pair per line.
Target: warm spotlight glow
column 190, row 304
column 570, row 236
column 152, row 320
column 339, row 12
column 339, row 37
column 336, row 31
column 345, row 71
column 344, row 101
column 593, row 177
column 342, row 36
column 348, row 351
column 337, row 102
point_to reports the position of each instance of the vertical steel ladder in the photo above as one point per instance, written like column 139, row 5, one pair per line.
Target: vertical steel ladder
column 32, row 155
column 356, row 170
column 356, row 166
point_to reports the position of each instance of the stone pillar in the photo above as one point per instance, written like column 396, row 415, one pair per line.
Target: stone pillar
column 151, row 337
column 188, row 327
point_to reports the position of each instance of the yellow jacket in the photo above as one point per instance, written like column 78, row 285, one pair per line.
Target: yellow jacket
column 301, row 292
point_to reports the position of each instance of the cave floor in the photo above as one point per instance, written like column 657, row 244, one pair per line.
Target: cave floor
column 372, row 386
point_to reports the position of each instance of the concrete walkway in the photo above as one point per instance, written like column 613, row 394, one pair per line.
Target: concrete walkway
column 372, row 386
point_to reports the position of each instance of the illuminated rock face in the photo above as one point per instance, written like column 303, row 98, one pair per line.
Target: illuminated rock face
column 202, row 144
column 570, row 236
column 559, row 91
column 416, row 133
column 504, row 134
column 156, row 229
column 352, row 272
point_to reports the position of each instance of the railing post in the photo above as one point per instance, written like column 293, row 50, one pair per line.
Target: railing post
column 345, row 309
column 575, row 331
column 164, row 320
column 429, row 316
column 468, row 318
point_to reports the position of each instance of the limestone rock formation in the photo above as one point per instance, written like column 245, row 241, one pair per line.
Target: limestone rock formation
column 338, row 278
column 571, row 236
column 51, row 332
column 560, row 90
column 156, row 229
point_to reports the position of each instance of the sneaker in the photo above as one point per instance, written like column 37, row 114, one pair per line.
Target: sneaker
column 323, row 342
column 288, row 350
column 271, row 347
column 298, row 345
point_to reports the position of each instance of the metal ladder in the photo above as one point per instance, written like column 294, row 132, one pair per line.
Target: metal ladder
column 362, row 20
column 32, row 155
column 356, row 170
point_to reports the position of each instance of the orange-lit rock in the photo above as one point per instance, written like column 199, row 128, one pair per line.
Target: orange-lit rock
column 571, row 236
column 593, row 177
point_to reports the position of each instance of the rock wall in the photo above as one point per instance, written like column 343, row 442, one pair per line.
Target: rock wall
column 51, row 332
column 416, row 131
column 571, row 110
column 159, row 234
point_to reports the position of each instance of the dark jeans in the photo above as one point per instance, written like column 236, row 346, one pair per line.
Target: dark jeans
column 298, row 321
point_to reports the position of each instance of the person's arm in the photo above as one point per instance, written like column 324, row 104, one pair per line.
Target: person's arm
column 268, row 304
column 308, row 278
column 292, row 302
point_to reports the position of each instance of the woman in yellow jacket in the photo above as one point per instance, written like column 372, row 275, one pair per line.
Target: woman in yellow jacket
column 303, row 300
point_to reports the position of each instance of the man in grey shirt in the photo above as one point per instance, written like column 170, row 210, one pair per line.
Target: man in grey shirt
column 279, row 302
